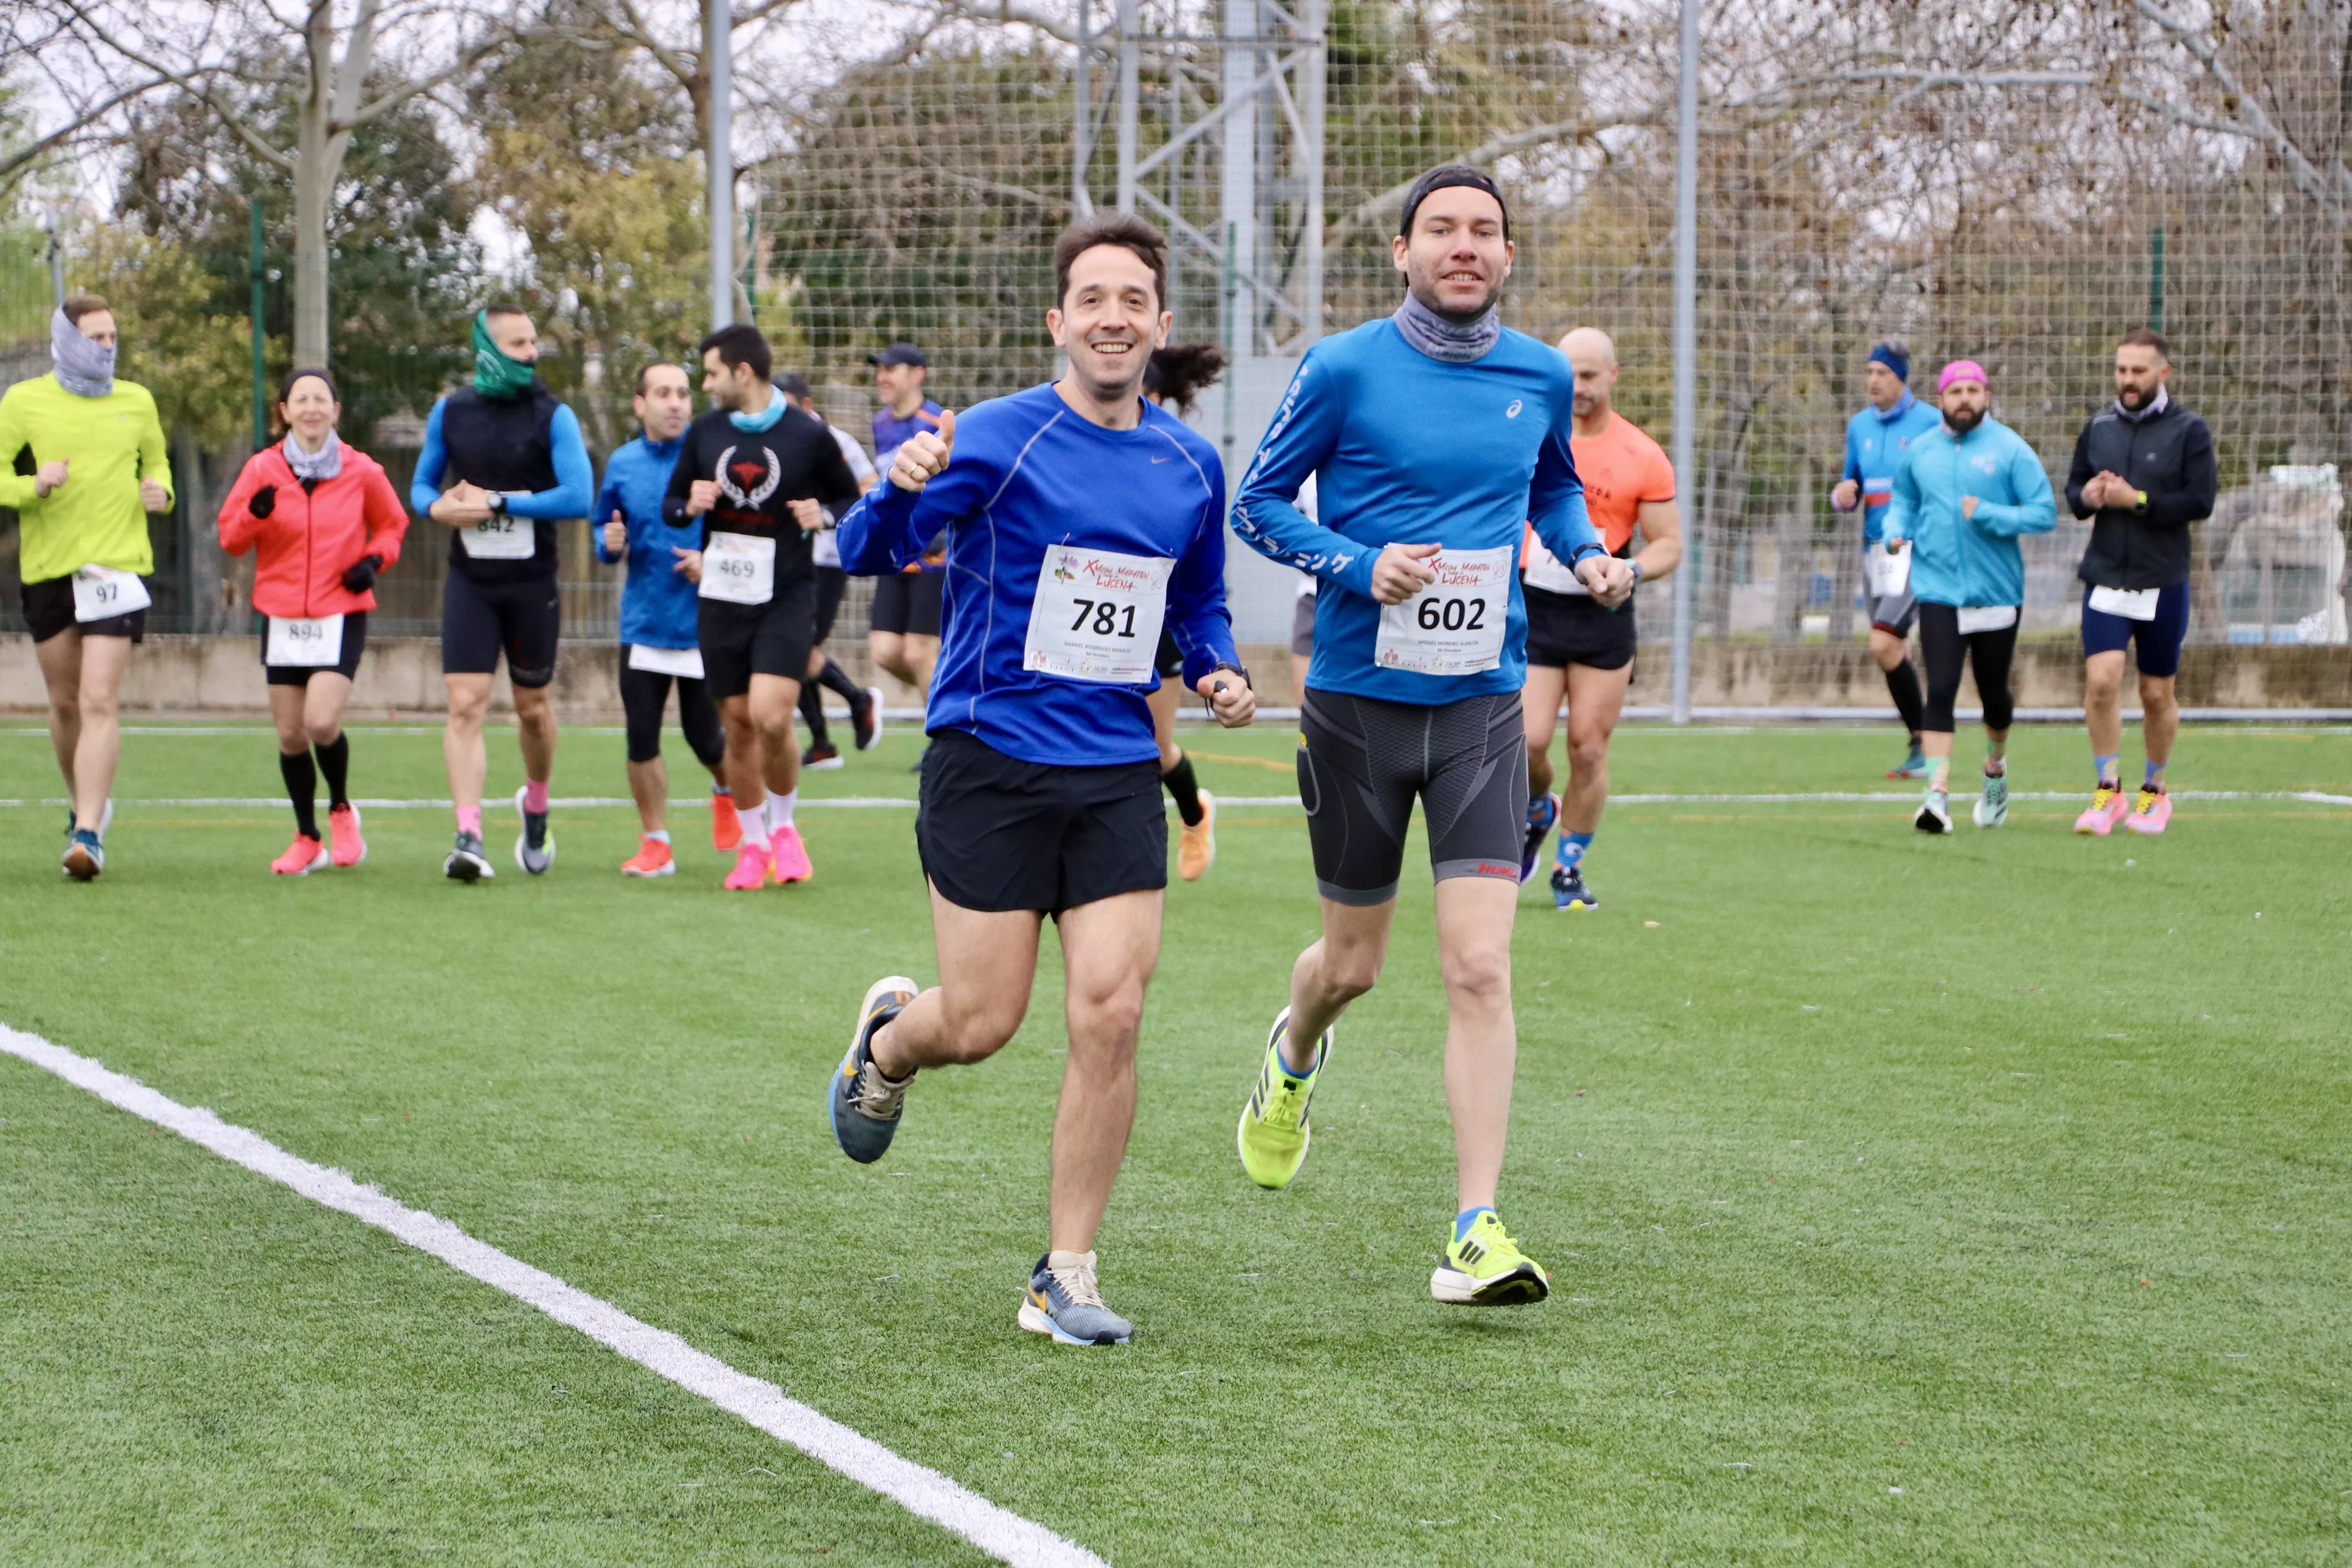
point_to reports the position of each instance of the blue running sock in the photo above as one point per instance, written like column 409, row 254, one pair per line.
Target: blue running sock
column 2110, row 772
column 1572, row 847
column 1539, row 810
column 1468, row 1218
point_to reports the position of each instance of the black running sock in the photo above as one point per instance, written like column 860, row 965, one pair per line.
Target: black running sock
column 835, row 678
column 1185, row 790
column 302, row 788
column 335, row 767
column 1903, row 685
column 813, row 714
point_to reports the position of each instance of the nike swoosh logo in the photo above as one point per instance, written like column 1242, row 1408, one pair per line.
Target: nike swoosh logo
column 1157, row 461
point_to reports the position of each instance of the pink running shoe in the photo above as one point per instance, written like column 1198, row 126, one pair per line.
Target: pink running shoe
column 348, row 848
column 2150, row 812
column 2106, row 809
column 791, row 855
column 303, row 857
column 753, row 864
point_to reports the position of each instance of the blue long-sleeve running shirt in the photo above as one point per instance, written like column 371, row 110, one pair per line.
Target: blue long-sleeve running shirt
column 576, row 476
column 1408, row 449
column 1030, row 475
column 1876, row 442
column 657, row 605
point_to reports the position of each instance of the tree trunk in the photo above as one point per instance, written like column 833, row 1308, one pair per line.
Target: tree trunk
column 319, row 149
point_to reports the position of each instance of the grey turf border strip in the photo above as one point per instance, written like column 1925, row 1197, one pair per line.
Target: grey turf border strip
column 921, row 1492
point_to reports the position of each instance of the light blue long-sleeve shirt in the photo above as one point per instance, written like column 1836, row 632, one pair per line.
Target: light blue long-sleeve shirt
column 1408, row 449
column 1961, row 560
column 1875, row 443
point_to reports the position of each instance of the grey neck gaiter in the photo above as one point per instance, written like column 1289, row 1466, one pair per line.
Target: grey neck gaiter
column 2148, row 410
column 315, row 466
column 84, row 368
column 1455, row 342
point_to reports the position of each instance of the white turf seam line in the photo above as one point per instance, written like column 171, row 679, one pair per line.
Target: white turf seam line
column 886, row 801
column 920, row 1490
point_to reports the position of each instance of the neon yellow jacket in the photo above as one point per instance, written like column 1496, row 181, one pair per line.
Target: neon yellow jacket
column 110, row 444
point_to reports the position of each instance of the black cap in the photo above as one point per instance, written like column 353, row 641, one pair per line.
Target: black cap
column 1446, row 175
column 898, row 353
column 792, row 385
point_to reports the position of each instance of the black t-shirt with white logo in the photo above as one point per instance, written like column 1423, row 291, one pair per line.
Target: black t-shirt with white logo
column 760, row 473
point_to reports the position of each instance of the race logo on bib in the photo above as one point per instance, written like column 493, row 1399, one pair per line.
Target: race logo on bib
column 748, row 483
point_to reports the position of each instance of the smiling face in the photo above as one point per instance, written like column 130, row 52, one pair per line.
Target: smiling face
column 666, row 403
column 309, row 411
column 1109, row 320
column 1456, row 260
column 900, row 388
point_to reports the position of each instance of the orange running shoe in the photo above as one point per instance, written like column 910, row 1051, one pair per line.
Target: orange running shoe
column 303, row 857
column 652, row 860
column 753, row 864
column 726, row 827
column 2108, row 807
column 1196, row 846
column 344, row 834
column 791, row 855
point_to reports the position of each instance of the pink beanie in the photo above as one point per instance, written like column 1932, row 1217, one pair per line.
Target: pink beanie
column 1961, row 370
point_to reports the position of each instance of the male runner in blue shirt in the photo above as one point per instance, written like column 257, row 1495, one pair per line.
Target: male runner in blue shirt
column 1433, row 436
column 1876, row 437
column 1081, row 518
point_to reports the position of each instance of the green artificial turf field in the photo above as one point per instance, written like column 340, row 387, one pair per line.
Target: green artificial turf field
column 1981, row 1201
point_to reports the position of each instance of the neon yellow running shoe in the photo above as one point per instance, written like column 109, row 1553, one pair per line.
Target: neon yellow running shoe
column 1487, row 1269
column 1273, row 1134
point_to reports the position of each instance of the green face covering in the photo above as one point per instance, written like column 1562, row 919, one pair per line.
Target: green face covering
column 494, row 374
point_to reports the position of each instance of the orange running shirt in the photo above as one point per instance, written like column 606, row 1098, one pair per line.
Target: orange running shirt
column 1621, row 467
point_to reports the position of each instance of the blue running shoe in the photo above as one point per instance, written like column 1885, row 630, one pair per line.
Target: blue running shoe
column 1063, row 1300
column 85, row 855
column 1915, row 766
column 1542, row 811
column 863, row 1102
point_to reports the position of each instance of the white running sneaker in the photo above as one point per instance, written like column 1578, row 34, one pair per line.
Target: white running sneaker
column 1992, row 806
column 1935, row 812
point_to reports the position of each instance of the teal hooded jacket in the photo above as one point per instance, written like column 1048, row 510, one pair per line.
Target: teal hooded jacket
column 1969, row 560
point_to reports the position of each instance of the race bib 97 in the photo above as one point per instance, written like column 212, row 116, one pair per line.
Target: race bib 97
column 101, row 592
column 501, row 538
column 1096, row 615
column 1455, row 625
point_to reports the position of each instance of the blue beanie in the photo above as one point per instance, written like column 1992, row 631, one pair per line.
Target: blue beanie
column 1899, row 363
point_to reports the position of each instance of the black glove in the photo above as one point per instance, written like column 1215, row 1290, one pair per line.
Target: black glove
column 264, row 501
column 360, row 575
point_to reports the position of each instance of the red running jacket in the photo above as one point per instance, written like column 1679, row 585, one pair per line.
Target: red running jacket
column 308, row 540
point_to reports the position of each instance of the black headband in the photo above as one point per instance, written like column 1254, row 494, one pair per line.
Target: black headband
column 1446, row 175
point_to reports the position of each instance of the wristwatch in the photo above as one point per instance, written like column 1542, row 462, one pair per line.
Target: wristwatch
column 1241, row 670
column 497, row 503
column 1636, row 566
column 2143, row 500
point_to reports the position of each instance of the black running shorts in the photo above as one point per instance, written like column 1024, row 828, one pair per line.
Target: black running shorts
column 1170, row 660
column 739, row 641
column 482, row 620
column 348, row 666
column 1573, row 629
column 49, row 609
column 1361, row 764
column 998, row 833
column 831, row 582
column 908, row 603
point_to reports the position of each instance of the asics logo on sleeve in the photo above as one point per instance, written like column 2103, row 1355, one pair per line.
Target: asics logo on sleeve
column 1513, row 411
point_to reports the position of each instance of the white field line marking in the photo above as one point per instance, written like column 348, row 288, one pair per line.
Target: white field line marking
column 920, row 1490
column 904, row 802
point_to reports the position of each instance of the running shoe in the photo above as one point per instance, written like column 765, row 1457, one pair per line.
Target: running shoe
column 1992, row 808
column 1196, row 846
column 345, row 844
column 1064, row 1301
column 866, row 718
column 653, row 859
column 1569, row 893
column 790, row 854
column 105, row 820
column 726, row 827
column 825, row 756
column 466, row 863
column 1542, row 811
column 2150, row 812
column 534, row 845
column 1274, row 1131
column 2106, row 809
column 862, row 1104
column 1915, row 766
column 754, row 862
column 1487, row 1269
column 85, row 855
column 1935, row 811
column 303, row 857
